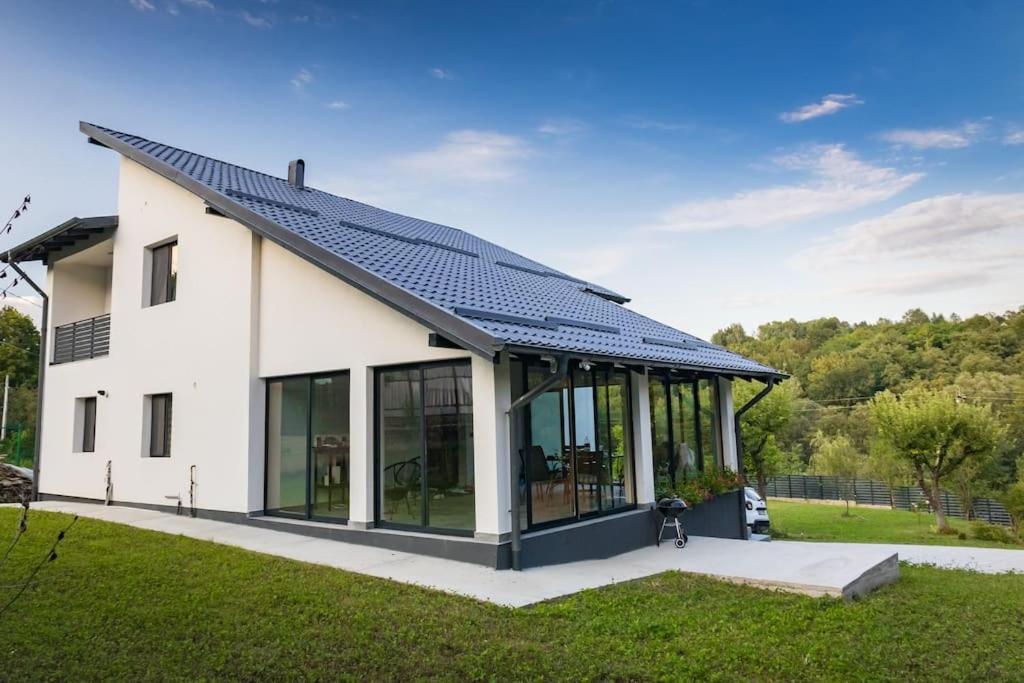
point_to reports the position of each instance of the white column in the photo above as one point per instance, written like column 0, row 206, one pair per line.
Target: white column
column 361, row 474
column 492, row 397
column 727, row 419
column 642, row 448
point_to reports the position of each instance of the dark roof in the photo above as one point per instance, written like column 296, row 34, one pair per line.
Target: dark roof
column 69, row 237
column 469, row 290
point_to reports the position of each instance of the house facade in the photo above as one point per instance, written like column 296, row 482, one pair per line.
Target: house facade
column 242, row 346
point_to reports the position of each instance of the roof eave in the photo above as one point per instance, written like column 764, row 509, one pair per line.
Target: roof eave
column 82, row 232
column 469, row 336
column 669, row 365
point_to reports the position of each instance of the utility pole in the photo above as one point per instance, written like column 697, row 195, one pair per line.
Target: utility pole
column 3, row 421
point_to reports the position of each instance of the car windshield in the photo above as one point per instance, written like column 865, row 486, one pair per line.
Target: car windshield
column 751, row 494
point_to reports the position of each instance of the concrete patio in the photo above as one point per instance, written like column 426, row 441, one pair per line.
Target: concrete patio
column 841, row 570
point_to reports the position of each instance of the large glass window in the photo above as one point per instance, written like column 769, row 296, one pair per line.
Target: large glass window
column 576, row 452
column 160, row 411
column 425, row 446
column 308, row 446
column 684, row 428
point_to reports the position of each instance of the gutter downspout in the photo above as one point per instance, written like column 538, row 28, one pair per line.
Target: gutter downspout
column 739, row 414
column 559, row 369
column 40, row 382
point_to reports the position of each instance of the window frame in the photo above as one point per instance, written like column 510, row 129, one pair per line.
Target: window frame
column 568, row 409
column 378, row 494
column 167, row 289
column 89, row 408
column 167, row 399
column 310, row 378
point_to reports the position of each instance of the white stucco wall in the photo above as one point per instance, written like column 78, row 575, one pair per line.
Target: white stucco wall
column 727, row 419
column 310, row 321
column 197, row 348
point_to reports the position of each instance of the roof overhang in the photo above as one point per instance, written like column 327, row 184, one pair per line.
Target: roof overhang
column 70, row 237
column 681, row 368
column 435, row 318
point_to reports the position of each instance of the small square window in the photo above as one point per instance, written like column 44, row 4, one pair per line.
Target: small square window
column 163, row 282
column 160, row 426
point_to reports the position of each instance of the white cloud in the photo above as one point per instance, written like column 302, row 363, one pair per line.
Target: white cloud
column 839, row 181
column 955, row 226
column 173, row 10
column 472, row 155
column 338, row 104
column 303, row 78
column 199, row 4
column 143, row 5
column 829, row 104
column 442, row 74
column 254, row 21
column 653, row 124
column 918, row 283
column 1014, row 137
column 561, row 127
column 936, row 138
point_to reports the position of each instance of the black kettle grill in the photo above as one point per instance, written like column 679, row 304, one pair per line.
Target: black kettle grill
column 671, row 510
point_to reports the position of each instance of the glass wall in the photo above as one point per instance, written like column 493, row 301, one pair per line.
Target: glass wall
column 680, row 440
column 710, row 446
column 425, row 446
column 307, row 467
column 577, row 452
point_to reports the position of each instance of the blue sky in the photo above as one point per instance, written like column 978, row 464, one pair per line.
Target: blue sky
column 717, row 162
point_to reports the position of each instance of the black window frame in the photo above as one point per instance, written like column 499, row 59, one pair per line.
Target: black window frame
column 310, row 493
column 378, row 502
column 569, row 408
column 88, row 443
column 157, row 402
column 165, row 291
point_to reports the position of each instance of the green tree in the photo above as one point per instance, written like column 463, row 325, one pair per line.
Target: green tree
column 836, row 456
column 761, row 426
column 19, row 348
column 936, row 434
column 887, row 467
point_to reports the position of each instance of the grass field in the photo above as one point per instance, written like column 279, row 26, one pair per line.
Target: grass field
column 824, row 522
column 126, row 604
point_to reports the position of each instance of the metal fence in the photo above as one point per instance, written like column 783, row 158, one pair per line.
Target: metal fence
column 868, row 492
column 88, row 338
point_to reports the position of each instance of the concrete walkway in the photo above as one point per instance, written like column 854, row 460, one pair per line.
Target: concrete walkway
column 984, row 560
column 846, row 570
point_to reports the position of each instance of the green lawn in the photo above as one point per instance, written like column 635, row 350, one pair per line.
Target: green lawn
column 825, row 522
column 126, row 604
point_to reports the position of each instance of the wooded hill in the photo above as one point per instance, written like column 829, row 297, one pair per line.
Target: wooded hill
column 837, row 367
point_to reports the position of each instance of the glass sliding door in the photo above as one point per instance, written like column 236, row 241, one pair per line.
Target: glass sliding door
column 400, row 430
column 448, row 420
column 329, row 441
column 547, row 453
column 425, row 473
column 685, row 430
column 307, row 466
column 577, row 449
column 287, row 446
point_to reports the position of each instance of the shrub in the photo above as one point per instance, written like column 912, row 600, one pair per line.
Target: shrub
column 701, row 487
column 992, row 532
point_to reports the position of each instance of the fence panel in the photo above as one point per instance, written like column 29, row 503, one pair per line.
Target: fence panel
column 870, row 492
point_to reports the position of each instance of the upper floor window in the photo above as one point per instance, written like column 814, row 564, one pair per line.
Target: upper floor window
column 163, row 273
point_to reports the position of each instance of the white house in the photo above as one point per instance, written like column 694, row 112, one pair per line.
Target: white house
column 253, row 349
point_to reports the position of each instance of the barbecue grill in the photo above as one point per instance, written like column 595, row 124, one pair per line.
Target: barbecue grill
column 671, row 510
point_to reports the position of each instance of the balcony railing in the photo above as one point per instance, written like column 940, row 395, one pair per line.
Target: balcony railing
column 89, row 338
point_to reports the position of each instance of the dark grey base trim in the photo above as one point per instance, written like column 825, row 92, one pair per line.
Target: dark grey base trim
column 593, row 539
column 452, row 548
column 723, row 517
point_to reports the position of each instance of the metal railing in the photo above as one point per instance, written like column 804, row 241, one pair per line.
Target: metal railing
column 89, row 338
column 868, row 492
